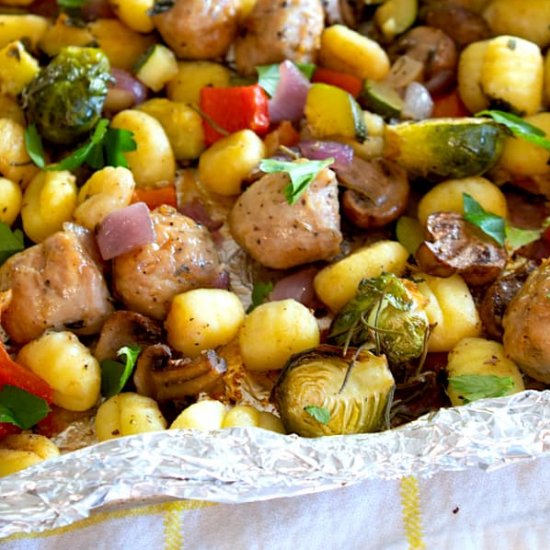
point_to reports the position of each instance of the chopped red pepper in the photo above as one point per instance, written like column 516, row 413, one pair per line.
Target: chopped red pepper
column 346, row 81
column 449, row 105
column 14, row 374
column 233, row 109
column 156, row 197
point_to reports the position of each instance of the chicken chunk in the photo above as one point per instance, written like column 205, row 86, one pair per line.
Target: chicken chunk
column 280, row 235
column 277, row 30
column 182, row 258
column 199, row 29
column 54, row 285
column 527, row 325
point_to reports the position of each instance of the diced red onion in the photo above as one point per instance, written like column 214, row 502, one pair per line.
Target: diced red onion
column 126, row 92
column 320, row 150
column 123, row 230
column 289, row 98
column 97, row 9
column 298, row 286
column 222, row 280
column 417, row 103
column 196, row 210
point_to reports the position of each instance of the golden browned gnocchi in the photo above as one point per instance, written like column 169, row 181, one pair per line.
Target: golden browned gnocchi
column 202, row 319
column 20, row 451
column 274, row 331
column 48, row 202
column 128, row 414
column 67, row 365
column 11, row 199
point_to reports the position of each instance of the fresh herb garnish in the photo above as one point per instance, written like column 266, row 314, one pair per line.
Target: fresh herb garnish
column 269, row 75
column 115, row 374
column 518, row 127
column 491, row 224
column 21, row 408
column 301, row 173
column 321, row 414
column 517, row 237
column 476, row 386
column 71, row 4
column 104, row 148
column 260, row 292
column 11, row 242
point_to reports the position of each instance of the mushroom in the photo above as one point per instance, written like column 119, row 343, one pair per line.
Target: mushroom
column 124, row 328
column 377, row 191
column 164, row 378
column 497, row 297
column 455, row 246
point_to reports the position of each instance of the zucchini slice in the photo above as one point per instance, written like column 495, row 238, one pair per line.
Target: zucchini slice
column 331, row 111
column 157, row 66
column 382, row 99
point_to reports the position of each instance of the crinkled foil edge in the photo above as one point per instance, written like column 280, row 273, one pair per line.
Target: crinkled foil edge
column 246, row 464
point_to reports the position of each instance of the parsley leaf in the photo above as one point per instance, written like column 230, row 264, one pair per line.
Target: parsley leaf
column 517, row 237
column 269, row 76
column 491, row 224
column 477, row 386
column 115, row 374
column 260, row 292
column 321, row 414
column 301, row 173
column 71, row 4
column 519, row 127
column 104, row 148
column 10, row 242
column 21, row 408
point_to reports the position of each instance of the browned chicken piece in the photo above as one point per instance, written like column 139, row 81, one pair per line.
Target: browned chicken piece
column 163, row 378
column 199, row 29
column 182, row 258
column 280, row 235
column 125, row 328
column 277, row 30
column 54, row 285
column 377, row 191
column 527, row 325
column 497, row 297
column 454, row 246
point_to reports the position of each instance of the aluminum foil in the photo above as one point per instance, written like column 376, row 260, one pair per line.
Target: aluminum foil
column 247, row 464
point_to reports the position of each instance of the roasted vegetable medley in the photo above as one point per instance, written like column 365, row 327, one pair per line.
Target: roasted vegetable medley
column 313, row 217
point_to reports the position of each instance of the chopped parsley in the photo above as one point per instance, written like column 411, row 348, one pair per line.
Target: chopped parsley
column 477, row 386
column 11, row 242
column 21, row 408
column 321, row 414
column 115, row 374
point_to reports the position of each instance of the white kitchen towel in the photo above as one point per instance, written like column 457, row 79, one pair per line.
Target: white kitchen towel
column 505, row 509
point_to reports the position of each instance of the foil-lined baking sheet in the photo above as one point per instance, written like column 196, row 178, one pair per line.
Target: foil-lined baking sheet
column 248, row 464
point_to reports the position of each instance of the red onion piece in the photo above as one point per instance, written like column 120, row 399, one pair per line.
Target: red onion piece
column 320, row 150
column 417, row 103
column 123, row 230
column 222, row 280
column 196, row 210
column 126, row 92
column 97, row 9
column 289, row 98
column 298, row 286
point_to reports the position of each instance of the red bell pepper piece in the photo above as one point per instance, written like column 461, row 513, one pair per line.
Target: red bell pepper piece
column 13, row 374
column 346, row 81
column 233, row 109
column 449, row 105
column 156, row 197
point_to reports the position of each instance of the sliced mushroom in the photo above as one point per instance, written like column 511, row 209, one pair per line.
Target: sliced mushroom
column 461, row 24
column 164, row 378
column 455, row 246
column 377, row 191
column 125, row 328
column 497, row 297
column 340, row 12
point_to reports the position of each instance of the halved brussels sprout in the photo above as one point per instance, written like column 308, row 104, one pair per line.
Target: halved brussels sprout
column 387, row 313
column 442, row 148
column 324, row 392
column 66, row 97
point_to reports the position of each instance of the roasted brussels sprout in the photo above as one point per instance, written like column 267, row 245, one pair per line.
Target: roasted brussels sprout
column 388, row 313
column 66, row 97
column 324, row 392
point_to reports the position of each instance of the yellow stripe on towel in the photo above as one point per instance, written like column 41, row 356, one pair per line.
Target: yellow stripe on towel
column 410, row 508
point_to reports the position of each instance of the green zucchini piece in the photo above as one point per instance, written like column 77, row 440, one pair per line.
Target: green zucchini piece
column 380, row 98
